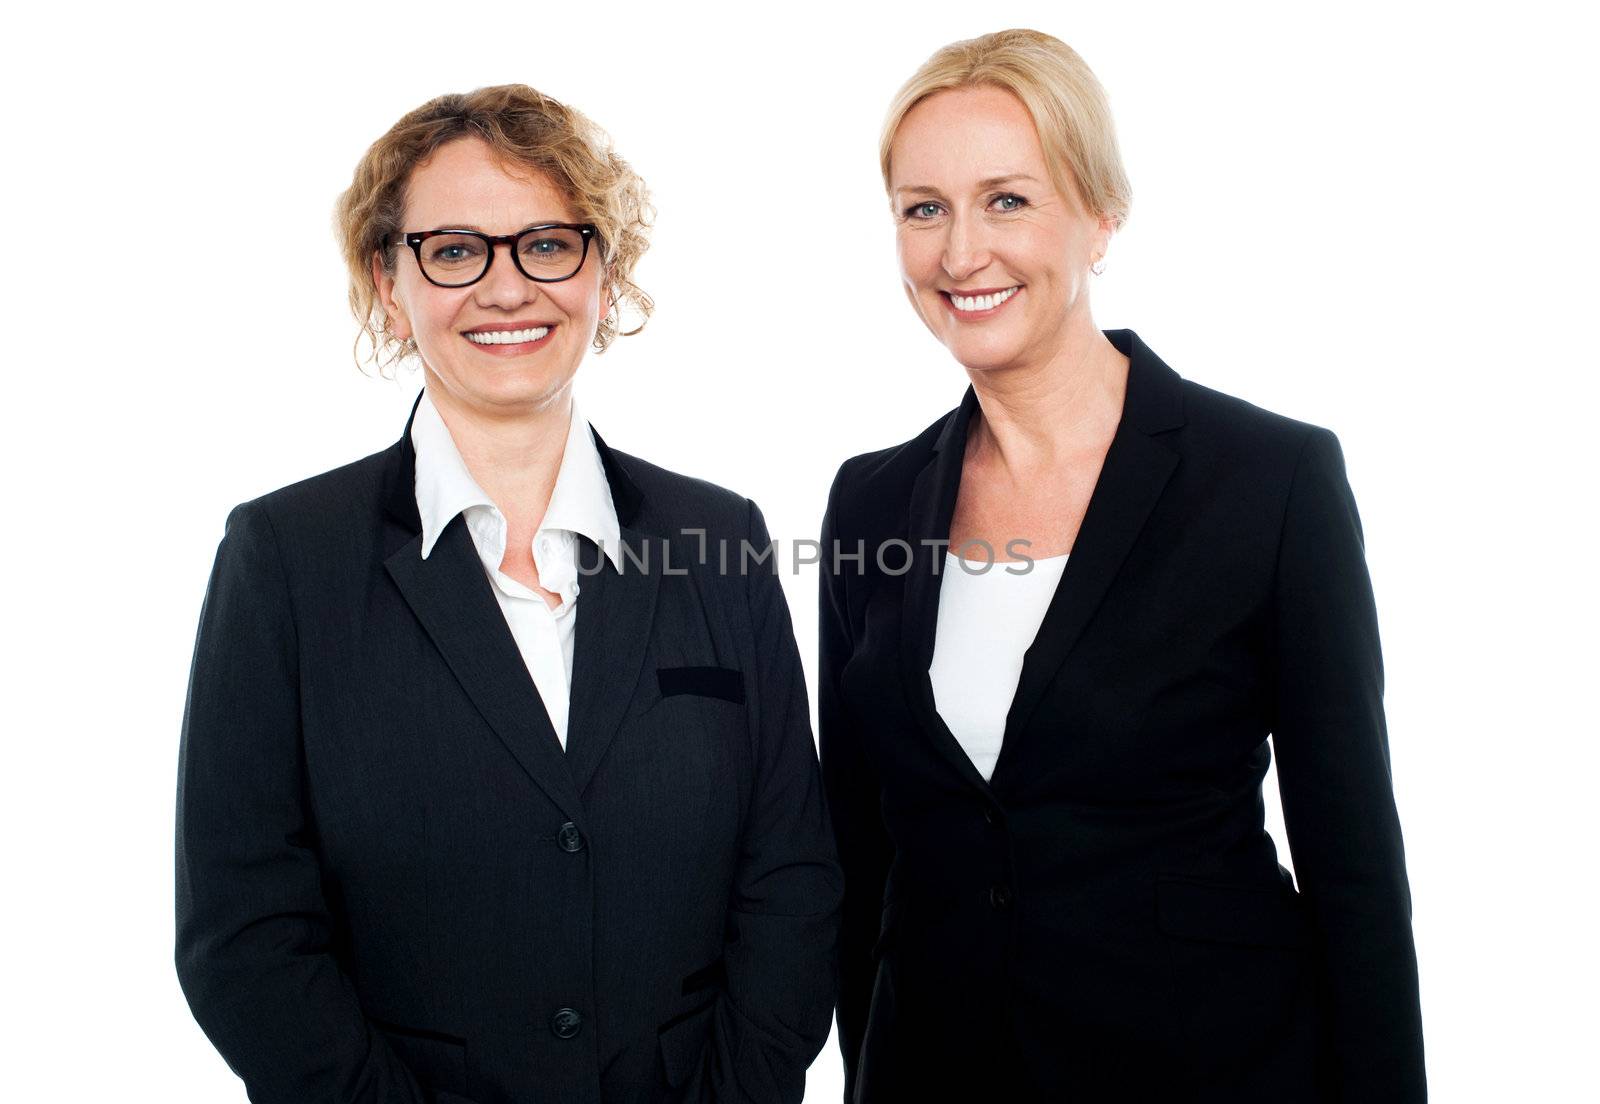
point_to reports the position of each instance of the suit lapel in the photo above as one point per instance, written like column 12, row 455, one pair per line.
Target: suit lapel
column 1132, row 478
column 933, row 501
column 615, row 612
column 1135, row 472
column 450, row 596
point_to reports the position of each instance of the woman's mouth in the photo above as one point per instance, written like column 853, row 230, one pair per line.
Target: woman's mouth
column 509, row 342
column 979, row 302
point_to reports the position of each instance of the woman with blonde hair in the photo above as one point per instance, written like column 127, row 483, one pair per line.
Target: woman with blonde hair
column 491, row 789
column 1088, row 596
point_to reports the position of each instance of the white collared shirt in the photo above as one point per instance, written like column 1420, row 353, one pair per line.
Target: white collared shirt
column 579, row 503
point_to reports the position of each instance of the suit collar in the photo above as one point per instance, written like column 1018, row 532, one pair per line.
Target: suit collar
column 580, row 502
column 1154, row 403
column 400, row 476
column 1137, row 466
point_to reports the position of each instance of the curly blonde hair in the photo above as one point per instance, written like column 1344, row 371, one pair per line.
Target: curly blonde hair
column 528, row 130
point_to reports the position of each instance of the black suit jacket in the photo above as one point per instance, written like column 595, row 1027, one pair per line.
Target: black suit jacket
column 393, row 885
column 1106, row 918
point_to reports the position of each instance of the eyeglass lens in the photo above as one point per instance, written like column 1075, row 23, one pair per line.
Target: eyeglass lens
column 456, row 259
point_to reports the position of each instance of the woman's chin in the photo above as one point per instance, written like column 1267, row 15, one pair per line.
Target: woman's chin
column 986, row 358
column 514, row 389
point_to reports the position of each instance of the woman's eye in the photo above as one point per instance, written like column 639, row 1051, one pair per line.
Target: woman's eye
column 1010, row 202
column 451, row 254
column 453, row 249
column 922, row 211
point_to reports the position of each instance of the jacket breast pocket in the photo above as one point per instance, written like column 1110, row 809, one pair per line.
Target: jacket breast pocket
column 726, row 683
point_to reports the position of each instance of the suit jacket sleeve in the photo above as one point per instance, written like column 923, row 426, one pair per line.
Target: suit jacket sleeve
column 1333, row 772
column 772, row 1019
column 854, row 802
column 253, row 929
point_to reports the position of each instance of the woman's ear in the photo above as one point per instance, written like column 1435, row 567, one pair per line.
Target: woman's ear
column 398, row 324
column 1102, row 235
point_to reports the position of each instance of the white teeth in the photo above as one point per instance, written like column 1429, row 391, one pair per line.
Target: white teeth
column 983, row 302
column 507, row 337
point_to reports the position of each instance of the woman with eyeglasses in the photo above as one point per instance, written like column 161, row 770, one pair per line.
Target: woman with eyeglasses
column 495, row 785
column 1088, row 595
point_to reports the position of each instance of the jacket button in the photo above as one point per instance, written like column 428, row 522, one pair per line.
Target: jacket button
column 565, row 1023
column 569, row 837
column 990, row 816
column 1000, row 897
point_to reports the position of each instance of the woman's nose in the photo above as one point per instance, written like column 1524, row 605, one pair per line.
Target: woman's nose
column 965, row 249
column 504, row 285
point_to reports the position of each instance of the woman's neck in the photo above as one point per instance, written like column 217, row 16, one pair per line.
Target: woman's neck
column 515, row 458
column 1035, row 416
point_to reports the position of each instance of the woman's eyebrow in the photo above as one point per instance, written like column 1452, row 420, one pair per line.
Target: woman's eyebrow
column 1009, row 178
column 987, row 182
column 478, row 229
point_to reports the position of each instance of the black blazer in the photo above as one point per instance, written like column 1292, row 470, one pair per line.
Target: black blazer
column 1106, row 919
column 394, row 886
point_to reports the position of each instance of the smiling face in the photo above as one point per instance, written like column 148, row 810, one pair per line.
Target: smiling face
column 506, row 345
column 995, row 260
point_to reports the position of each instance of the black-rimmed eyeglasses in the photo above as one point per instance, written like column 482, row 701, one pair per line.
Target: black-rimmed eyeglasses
column 547, row 253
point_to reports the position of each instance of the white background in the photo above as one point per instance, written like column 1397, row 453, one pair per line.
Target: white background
column 1378, row 220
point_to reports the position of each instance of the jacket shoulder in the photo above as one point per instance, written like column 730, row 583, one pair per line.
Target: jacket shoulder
column 330, row 501
column 1227, row 425
column 868, row 481
column 672, row 500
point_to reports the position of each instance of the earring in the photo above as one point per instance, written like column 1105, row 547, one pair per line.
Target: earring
column 1098, row 267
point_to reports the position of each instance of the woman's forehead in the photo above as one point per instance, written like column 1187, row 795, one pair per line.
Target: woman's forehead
column 466, row 184
column 965, row 136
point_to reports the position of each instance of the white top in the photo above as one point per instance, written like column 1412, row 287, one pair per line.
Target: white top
column 989, row 615
column 580, row 503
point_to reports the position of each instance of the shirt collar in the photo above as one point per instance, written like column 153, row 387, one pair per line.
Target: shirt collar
column 579, row 503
